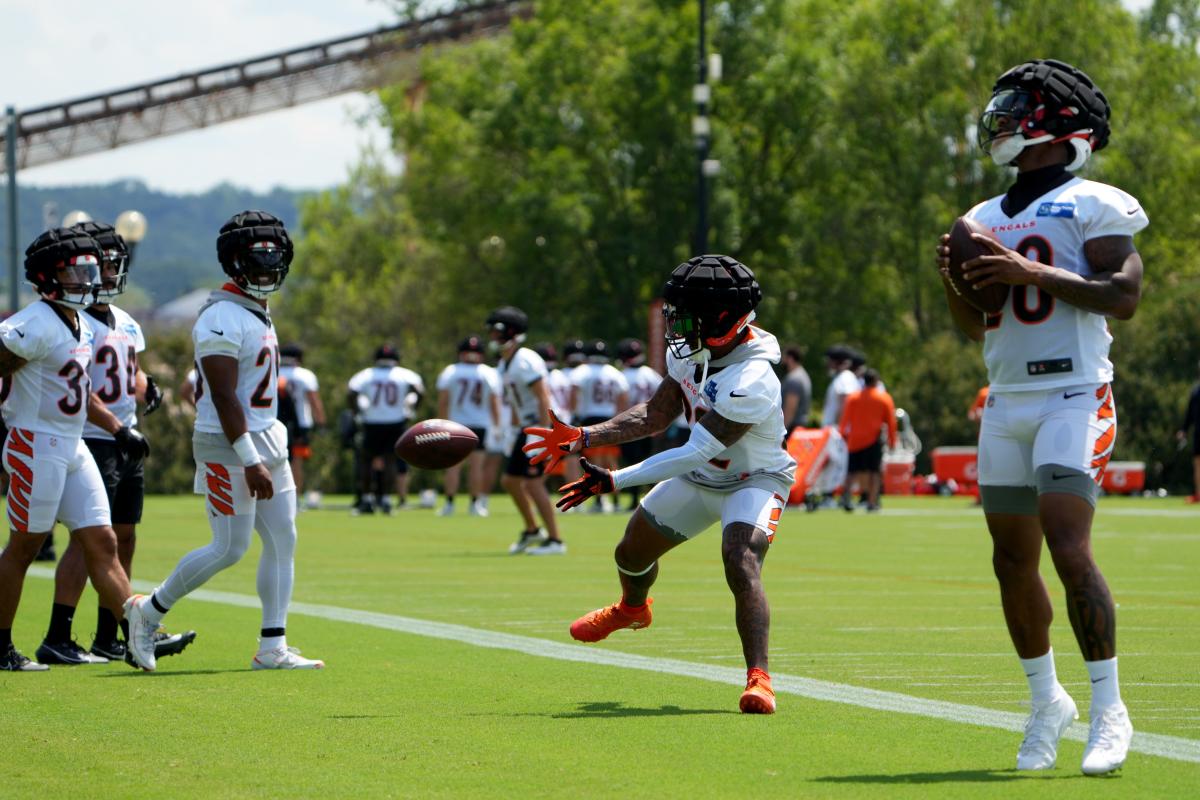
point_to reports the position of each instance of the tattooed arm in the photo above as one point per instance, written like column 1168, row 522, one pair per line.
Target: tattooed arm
column 1114, row 288
column 641, row 420
column 709, row 439
column 10, row 362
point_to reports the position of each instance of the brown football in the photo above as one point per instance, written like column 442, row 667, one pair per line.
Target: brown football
column 436, row 444
column 989, row 299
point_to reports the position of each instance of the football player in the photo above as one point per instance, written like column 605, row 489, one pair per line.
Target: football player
column 46, row 349
column 731, row 469
column 523, row 374
column 309, row 413
column 1066, row 250
column 384, row 395
column 469, row 394
column 598, row 392
column 643, row 382
column 239, row 445
column 118, row 381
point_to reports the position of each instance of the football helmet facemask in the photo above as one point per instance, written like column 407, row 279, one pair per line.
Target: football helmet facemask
column 710, row 300
column 256, row 252
column 114, row 263
column 1044, row 101
column 506, row 325
column 63, row 264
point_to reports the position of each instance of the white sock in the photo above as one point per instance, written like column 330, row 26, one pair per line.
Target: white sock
column 1105, row 690
column 1043, row 682
column 275, row 521
column 271, row 642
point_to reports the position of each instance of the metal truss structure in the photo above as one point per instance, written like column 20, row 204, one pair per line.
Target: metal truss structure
column 232, row 91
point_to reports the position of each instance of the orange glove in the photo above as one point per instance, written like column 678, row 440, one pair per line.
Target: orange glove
column 554, row 442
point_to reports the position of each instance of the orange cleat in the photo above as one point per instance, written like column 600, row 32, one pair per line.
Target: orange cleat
column 759, row 697
column 600, row 623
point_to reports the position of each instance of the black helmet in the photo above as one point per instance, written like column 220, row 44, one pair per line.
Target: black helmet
column 573, row 353
column 547, row 352
column 709, row 301
column 253, row 246
column 63, row 264
column 115, row 252
column 471, row 344
column 293, row 351
column 387, row 352
column 1044, row 101
column 508, row 323
column 630, row 351
column 596, row 351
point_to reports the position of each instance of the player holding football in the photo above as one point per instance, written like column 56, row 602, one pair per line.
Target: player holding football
column 731, row 469
column 239, row 445
column 523, row 374
column 118, row 381
column 46, row 348
column 1066, row 250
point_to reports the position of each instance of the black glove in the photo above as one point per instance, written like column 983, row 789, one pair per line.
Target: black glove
column 154, row 395
column 131, row 443
column 595, row 480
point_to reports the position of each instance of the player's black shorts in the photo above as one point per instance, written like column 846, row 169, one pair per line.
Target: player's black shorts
column 869, row 459
column 299, row 442
column 480, row 434
column 379, row 439
column 1195, row 442
column 518, row 461
column 124, row 481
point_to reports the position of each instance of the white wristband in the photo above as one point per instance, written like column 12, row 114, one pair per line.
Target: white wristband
column 246, row 451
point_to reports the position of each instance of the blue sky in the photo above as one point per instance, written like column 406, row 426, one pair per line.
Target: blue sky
column 69, row 48
column 62, row 49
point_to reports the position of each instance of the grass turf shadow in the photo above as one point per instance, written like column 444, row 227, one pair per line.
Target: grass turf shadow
column 956, row 776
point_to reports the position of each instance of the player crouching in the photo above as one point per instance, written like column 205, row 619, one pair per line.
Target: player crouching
column 731, row 469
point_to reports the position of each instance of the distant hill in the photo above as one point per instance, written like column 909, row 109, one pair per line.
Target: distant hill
column 179, row 251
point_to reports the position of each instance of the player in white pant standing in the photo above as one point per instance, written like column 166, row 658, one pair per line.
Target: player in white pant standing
column 239, row 445
column 46, row 348
column 1066, row 251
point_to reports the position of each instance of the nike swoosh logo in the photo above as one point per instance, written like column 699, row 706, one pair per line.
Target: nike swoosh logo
column 1097, row 680
column 217, row 332
column 735, row 394
column 1134, row 211
column 1057, row 477
column 1072, row 394
column 19, row 333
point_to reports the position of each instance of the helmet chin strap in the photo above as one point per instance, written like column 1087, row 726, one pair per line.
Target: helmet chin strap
column 1005, row 151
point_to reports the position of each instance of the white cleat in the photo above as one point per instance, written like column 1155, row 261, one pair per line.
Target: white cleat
column 550, row 547
column 1108, row 741
column 284, row 658
column 1046, row 724
column 446, row 511
column 141, row 632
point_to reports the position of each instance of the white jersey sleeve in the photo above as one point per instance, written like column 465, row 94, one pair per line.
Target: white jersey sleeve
column 444, row 378
column 753, row 399
column 49, row 393
column 1110, row 212
column 525, row 369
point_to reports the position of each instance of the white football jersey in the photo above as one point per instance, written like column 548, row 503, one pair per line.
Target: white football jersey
column 741, row 387
column 226, row 328
column 114, row 366
column 49, row 393
column 300, row 381
column 559, row 385
column 844, row 384
column 643, row 383
column 519, row 375
column 470, row 388
column 1039, row 341
column 386, row 393
column 600, row 386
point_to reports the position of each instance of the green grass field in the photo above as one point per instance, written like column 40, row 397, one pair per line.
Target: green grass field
column 495, row 700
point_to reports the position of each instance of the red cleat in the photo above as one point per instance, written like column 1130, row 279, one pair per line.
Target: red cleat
column 759, row 697
column 600, row 623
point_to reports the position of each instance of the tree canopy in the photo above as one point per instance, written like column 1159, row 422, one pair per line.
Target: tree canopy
column 554, row 168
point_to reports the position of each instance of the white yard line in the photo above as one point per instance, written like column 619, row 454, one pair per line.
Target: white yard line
column 1172, row 747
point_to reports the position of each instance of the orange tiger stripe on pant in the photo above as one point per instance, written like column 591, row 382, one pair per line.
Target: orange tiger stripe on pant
column 220, row 489
column 1105, row 442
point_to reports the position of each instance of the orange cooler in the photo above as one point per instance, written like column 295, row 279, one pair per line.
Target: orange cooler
column 898, row 473
column 958, row 463
column 1124, row 477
